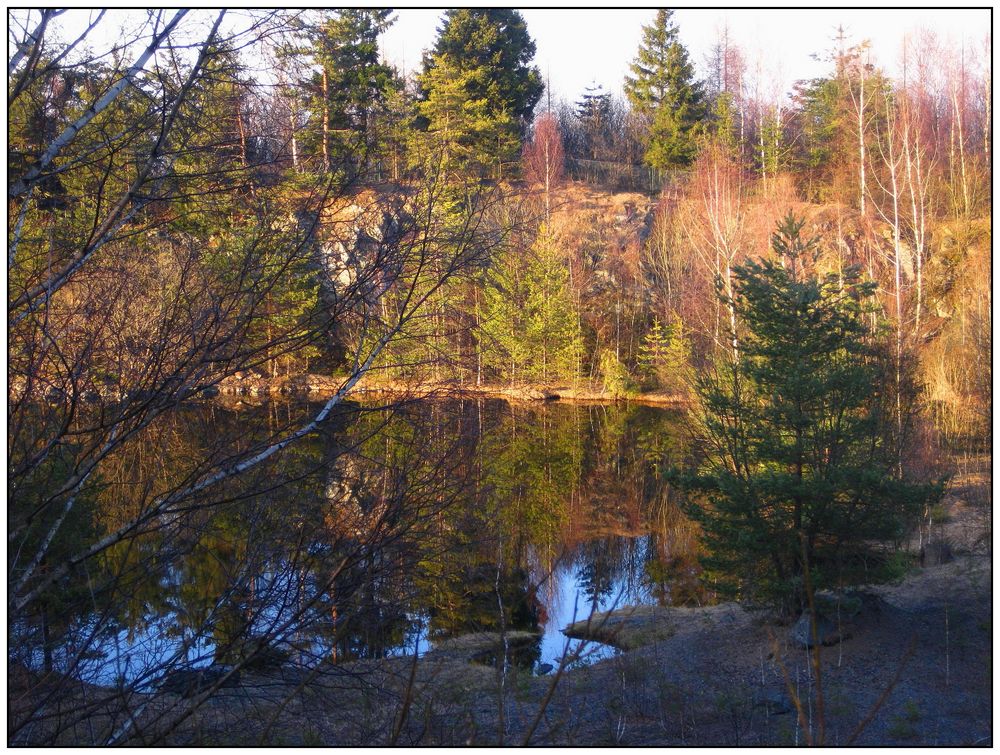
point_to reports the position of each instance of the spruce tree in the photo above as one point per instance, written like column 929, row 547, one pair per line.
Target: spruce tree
column 801, row 467
column 530, row 326
column 461, row 131
column 482, row 55
column 648, row 85
column 352, row 87
column 594, row 111
column 665, row 93
column 664, row 358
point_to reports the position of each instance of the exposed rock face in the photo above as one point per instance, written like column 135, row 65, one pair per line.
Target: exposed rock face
column 359, row 239
column 356, row 249
column 836, row 614
column 827, row 632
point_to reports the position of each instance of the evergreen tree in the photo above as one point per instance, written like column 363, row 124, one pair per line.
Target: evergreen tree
column 664, row 358
column 647, row 88
column 462, row 131
column 495, row 45
column 530, row 323
column 724, row 125
column 772, row 153
column 594, row 111
column 396, row 131
column 824, row 135
column 837, row 119
column 352, row 86
column 801, row 468
column 552, row 322
column 482, row 55
column 666, row 94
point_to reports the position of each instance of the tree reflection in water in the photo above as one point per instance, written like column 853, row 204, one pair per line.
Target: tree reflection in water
column 389, row 530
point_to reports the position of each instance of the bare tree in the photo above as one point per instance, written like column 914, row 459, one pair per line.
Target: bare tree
column 544, row 158
column 713, row 220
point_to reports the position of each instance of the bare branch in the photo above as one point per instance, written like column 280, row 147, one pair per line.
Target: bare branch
column 21, row 185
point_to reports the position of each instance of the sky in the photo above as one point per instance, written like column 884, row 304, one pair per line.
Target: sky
column 578, row 46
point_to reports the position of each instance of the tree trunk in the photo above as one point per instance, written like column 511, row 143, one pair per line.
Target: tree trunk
column 326, row 122
column 861, row 138
column 293, row 118
column 243, row 134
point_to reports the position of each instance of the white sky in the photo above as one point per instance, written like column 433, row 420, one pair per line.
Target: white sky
column 576, row 46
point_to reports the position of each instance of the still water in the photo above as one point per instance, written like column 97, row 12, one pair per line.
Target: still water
column 387, row 533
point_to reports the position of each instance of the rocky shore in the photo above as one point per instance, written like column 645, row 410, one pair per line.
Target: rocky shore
column 320, row 387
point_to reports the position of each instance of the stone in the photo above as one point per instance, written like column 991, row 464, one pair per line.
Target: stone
column 828, row 632
column 191, row 682
column 261, row 655
column 936, row 553
column 775, row 703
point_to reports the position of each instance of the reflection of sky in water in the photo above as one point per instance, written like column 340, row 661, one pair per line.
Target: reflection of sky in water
column 566, row 595
column 603, row 573
column 565, row 598
column 136, row 656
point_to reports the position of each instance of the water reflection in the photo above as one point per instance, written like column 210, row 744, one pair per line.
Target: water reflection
column 385, row 533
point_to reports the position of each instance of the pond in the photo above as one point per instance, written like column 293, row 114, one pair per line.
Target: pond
column 388, row 532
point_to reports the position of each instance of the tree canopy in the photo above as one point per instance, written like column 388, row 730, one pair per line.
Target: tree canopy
column 477, row 88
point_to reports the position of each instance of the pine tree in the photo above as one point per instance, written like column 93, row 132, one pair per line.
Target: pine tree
column 724, row 125
column 666, row 94
column 664, row 358
column 462, row 131
column 530, row 327
column 772, row 152
column 653, row 348
column 552, row 324
column 838, row 118
column 801, row 467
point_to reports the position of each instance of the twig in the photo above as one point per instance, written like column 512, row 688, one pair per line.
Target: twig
column 404, row 711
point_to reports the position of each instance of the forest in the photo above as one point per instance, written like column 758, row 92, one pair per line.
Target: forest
column 312, row 357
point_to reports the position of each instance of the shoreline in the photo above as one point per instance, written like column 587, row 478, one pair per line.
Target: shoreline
column 321, row 387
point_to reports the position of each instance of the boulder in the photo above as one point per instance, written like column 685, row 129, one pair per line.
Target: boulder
column 775, row 703
column 936, row 553
column 259, row 654
column 191, row 682
column 828, row 632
